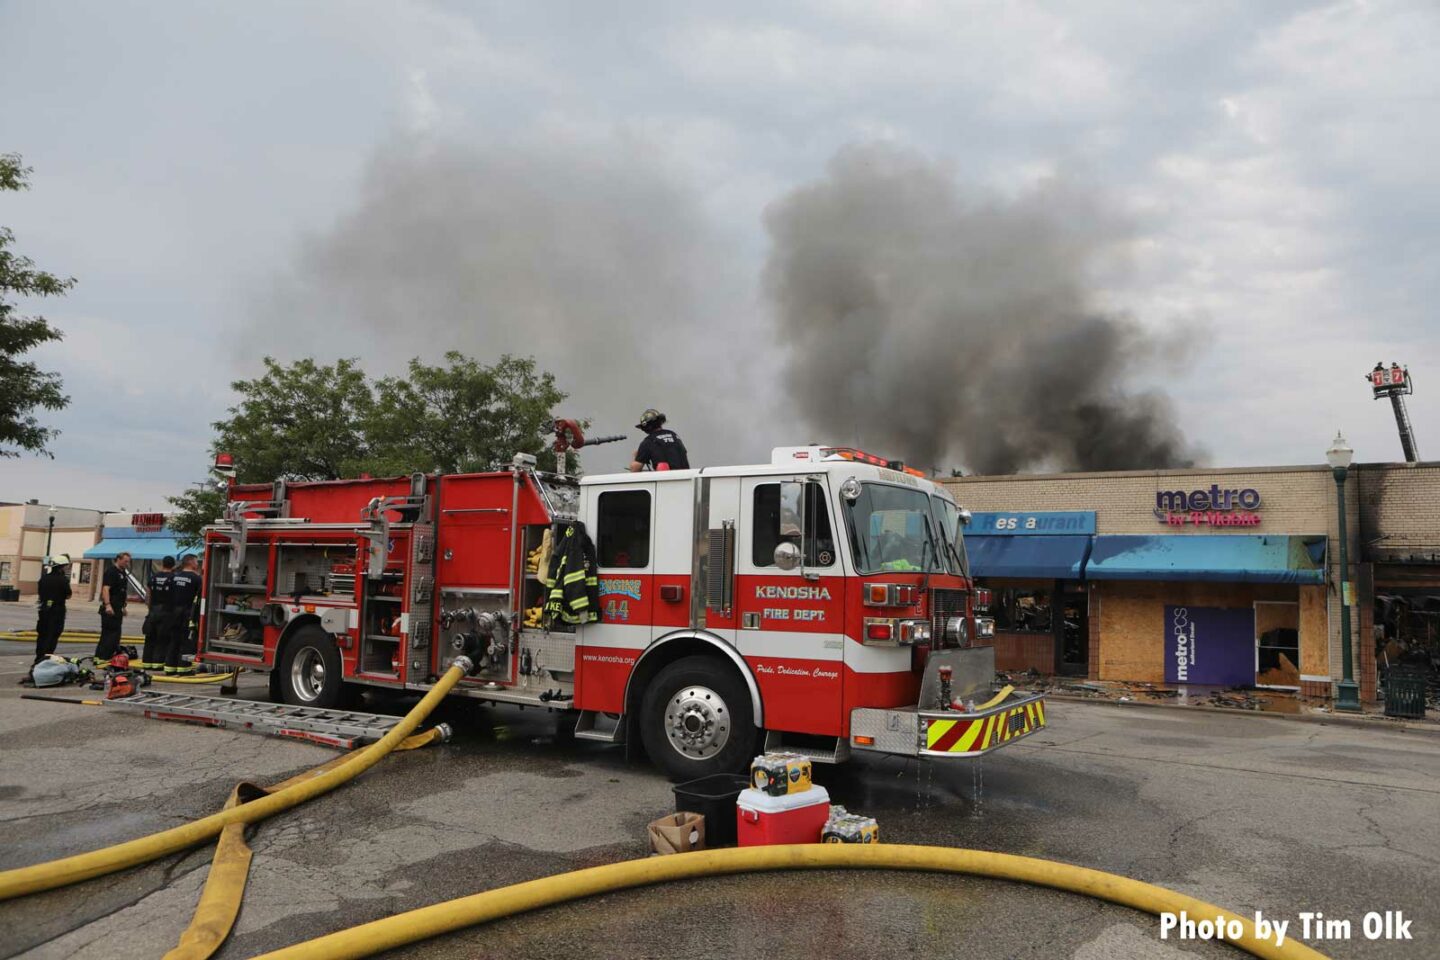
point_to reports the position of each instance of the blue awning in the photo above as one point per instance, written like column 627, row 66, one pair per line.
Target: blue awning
column 1035, row 558
column 139, row 548
column 1230, row 558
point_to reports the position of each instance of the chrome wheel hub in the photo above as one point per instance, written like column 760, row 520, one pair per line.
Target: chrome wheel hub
column 307, row 674
column 697, row 722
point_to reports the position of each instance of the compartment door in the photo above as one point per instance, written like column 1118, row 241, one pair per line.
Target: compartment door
column 622, row 523
column 791, row 622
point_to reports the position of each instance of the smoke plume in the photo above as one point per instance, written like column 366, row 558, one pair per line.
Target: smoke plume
column 942, row 328
column 593, row 259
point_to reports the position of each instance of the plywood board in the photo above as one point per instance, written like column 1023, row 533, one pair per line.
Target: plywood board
column 1314, row 632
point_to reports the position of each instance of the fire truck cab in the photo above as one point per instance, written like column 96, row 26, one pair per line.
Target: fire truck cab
column 820, row 603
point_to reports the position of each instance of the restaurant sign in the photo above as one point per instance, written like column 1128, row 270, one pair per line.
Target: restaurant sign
column 1212, row 506
column 147, row 522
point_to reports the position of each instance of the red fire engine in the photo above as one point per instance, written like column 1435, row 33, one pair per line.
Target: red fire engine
column 821, row 601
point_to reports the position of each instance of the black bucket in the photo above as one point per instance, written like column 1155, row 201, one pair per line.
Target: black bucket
column 713, row 797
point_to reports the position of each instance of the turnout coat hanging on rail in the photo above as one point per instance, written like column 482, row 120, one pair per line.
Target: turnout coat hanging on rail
column 574, row 590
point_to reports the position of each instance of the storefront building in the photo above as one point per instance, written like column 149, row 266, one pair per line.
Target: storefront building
column 145, row 537
column 32, row 532
column 1224, row 577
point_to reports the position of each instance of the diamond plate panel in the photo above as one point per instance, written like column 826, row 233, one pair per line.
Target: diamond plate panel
column 895, row 731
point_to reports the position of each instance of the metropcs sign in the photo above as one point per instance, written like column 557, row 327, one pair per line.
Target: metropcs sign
column 1214, row 507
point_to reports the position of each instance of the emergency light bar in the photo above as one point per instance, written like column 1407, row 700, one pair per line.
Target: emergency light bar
column 813, row 454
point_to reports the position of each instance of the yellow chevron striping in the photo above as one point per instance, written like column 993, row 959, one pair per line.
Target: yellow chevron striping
column 937, row 729
column 968, row 738
column 989, row 732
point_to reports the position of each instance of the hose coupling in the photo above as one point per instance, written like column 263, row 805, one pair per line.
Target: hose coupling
column 464, row 663
column 446, row 732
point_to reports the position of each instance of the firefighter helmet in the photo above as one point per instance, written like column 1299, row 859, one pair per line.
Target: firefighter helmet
column 651, row 419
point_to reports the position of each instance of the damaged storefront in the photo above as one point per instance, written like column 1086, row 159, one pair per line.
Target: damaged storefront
column 1194, row 578
column 1399, row 578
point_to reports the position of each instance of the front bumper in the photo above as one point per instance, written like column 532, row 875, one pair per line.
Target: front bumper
column 948, row 734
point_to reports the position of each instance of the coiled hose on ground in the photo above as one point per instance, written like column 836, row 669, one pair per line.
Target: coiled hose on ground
column 59, row 873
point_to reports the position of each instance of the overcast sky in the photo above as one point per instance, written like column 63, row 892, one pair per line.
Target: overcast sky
column 231, row 180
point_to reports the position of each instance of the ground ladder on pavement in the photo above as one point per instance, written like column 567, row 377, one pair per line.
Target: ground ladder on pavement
column 332, row 728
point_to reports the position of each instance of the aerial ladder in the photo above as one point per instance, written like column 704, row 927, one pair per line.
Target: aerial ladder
column 1394, row 382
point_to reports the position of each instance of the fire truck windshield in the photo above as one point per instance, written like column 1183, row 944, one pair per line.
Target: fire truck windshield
column 890, row 531
column 947, row 521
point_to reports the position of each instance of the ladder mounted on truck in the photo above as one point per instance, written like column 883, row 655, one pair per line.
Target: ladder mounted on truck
column 332, row 728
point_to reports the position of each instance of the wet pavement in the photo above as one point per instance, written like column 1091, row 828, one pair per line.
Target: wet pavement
column 1244, row 811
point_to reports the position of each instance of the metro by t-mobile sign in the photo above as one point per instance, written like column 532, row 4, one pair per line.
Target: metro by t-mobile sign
column 1214, row 507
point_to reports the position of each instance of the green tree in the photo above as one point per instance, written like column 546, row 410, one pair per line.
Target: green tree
column 305, row 421
column 463, row 416
column 193, row 510
column 24, row 387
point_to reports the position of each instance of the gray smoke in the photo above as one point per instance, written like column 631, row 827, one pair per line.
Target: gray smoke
column 935, row 326
column 592, row 259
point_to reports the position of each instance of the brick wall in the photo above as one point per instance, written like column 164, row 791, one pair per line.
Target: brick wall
column 1018, row 652
column 1294, row 500
column 1399, row 509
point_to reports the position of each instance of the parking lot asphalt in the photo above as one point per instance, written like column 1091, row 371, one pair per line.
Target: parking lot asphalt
column 1246, row 812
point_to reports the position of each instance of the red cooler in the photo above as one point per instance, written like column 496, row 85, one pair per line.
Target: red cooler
column 761, row 819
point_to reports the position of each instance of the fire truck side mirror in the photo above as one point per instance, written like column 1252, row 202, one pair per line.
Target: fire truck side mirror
column 787, row 555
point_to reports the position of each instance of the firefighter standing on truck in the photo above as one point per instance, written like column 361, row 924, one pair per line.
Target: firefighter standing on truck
column 661, row 449
column 156, row 639
column 180, row 608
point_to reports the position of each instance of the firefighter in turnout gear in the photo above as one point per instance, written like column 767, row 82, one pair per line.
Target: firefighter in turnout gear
column 54, row 590
column 156, row 641
column 114, row 594
column 180, row 608
column 662, row 449
column 573, row 592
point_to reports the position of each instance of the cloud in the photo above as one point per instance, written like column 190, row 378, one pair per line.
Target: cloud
column 1274, row 159
column 587, row 255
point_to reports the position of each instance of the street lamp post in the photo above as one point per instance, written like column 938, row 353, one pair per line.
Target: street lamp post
column 50, row 532
column 1347, row 692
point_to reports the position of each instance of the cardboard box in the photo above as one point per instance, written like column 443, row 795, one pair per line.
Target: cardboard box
column 677, row 833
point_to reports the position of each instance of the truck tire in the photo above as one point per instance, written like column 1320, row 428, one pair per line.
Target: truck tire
column 310, row 671
column 696, row 719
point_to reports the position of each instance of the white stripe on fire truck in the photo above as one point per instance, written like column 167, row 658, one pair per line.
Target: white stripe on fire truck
column 623, row 636
column 790, row 645
column 862, row 659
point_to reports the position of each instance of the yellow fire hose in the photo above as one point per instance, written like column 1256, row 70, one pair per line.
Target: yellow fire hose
column 59, row 873
column 230, row 868
column 1005, row 691
column 401, row 929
